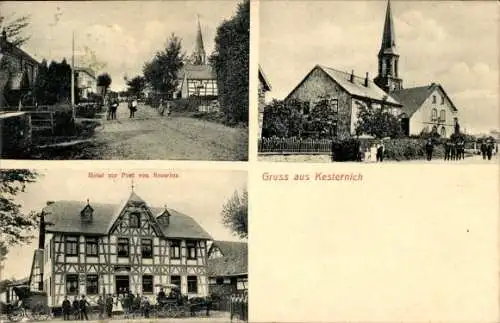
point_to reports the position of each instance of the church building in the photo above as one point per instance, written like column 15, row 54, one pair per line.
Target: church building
column 197, row 77
column 421, row 109
column 95, row 249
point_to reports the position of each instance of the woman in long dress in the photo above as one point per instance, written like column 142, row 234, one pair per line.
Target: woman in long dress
column 117, row 305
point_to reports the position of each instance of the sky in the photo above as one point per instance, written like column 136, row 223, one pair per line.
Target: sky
column 199, row 194
column 123, row 34
column 454, row 43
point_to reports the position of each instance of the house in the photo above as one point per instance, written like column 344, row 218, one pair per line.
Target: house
column 228, row 267
column 7, row 293
column 427, row 109
column 264, row 86
column 86, row 82
column 95, row 249
column 18, row 72
column 346, row 93
column 197, row 77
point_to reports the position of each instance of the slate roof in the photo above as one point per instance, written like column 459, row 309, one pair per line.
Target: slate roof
column 233, row 262
column 356, row 88
column 197, row 72
column 64, row 217
column 413, row 98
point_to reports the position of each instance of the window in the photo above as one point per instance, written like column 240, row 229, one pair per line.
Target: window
column 72, row 284
column 306, row 109
column 443, row 132
column 175, row 249
column 191, row 249
column 219, row 280
column 134, row 220
column 147, row 248
column 175, row 280
column 442, row 99
column 334, row 105
column 92, row 284
column 192, row 284
column 442, row 115
column 242, row 283
column 123, row 246
column 71, row 246
column 433, row 99
column 147, row 284
column 91, row 247
column 434, row 114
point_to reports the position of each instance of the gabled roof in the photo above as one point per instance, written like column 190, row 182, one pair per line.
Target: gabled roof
column 197, row 72
column 356, row 88
column 264, row 80
column 64, row 217
column 413, row 98
column 234, row 260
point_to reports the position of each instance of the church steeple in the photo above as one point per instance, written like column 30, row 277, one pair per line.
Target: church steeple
column 388, row 58
column 199, row 55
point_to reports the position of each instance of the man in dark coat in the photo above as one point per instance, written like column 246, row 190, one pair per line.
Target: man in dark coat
column 66, row 307
column 76, row 308
column 484, row 149
column 84, row 304
column 429, row 148
column 489, row 150
column 102, row 305
column 109, row 305
column 447, row 150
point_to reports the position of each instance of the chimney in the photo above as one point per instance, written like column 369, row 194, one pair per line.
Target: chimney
column 41, row 236
column 366, row 80
column 352, row 76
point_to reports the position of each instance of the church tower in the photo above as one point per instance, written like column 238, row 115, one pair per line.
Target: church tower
column 199, row 55
column 388, row 70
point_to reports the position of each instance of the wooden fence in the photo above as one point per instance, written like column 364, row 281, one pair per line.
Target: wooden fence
column 294, row 146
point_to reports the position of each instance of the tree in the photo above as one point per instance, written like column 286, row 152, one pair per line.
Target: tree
column 161, row 72
column 235, row 214
column 15, row 227
column 378, row 122
column 53, row 83
column 283, row 119
column 104, row 80
column 136, row 85
column 231, row 62
column 14, row 28
column 321, row 119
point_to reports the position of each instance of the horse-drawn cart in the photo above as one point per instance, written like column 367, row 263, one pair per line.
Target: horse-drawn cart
column 29, row 304
column 177, row 305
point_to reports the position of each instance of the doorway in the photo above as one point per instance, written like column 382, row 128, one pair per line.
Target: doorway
column 122, row 284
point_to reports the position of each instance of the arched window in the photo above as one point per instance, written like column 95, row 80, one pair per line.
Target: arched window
column 443, row 132
column 135, row 220
column 434, row 114
column 442, row 115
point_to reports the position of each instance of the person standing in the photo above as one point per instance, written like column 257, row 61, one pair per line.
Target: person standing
column 447, row 150
column 134, row 108
column 161, row 109
column 489, row 150
column 380, row 152
column 66, row 307
column 83, row 308
column 169, row 110
column 484, row 149
column 76, row 308
column 109, row 306
column 429, row 148
column 101, row 305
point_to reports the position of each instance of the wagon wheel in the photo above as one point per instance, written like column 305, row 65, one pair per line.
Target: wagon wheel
column 16, row 315
column 40, row 312
column 172, row 310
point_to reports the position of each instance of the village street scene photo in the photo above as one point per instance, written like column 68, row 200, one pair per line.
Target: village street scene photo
column 146, row 245
column 378, row 81
column 127, row 80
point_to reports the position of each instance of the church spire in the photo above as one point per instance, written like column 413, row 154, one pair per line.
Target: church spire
column 388, row 58
column 199, row 55
column 388, row 37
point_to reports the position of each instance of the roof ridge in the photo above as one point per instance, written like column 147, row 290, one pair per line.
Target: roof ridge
column 344, row 72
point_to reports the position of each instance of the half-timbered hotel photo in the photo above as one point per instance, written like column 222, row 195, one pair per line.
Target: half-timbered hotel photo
column 93, row 247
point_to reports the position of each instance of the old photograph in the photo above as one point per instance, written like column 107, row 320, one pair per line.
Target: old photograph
column 378, row 81
column 154, row 80
column 121, row 245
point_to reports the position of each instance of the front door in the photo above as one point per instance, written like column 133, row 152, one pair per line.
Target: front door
column 122, row 284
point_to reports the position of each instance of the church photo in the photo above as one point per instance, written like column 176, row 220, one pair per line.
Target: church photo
column 378, row 81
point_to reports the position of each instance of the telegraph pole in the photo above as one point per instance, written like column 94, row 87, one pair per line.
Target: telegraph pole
column 73, row 74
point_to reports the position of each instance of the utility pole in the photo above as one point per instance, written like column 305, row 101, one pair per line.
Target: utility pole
column 73, row 75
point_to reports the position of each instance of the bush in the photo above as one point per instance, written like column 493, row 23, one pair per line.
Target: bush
column 346, row 150
column 409, row 149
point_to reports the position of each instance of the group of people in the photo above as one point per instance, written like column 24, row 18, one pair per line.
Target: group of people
column 113, row 105
column 487, row 149
column 111, row 305
column 454, row 150
column 164, row 108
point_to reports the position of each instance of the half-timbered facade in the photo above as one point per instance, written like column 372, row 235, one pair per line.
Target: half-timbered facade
column 228, row 267
column 96, row 249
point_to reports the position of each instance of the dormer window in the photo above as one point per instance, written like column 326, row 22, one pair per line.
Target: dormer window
column 164, row 218
column 87, row 213
column 135, row 220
